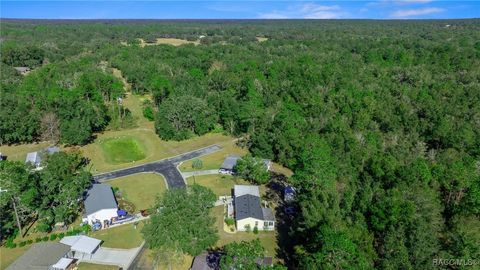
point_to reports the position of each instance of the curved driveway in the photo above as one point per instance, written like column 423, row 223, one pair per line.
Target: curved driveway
column 166, row 167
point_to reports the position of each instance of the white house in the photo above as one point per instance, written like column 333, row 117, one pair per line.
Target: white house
column 100, row 204
column 249, row 212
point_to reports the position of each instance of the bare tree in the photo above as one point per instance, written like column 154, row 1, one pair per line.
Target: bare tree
column 50, row 127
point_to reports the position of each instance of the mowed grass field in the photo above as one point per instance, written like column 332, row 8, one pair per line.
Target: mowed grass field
column 220, row 184
column 155, row 148
column 91, row 266
column 141, row 189
column 124, row 149
column 124, row 236
column 8, row 256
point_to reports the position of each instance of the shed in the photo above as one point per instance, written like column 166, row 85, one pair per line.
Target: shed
column 228, row 165
column 52, row 150
column 63, row 264
column 81, row 245
column 22, row 70
column 34, row 158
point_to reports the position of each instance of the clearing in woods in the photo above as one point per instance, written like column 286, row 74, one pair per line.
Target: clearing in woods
column 169, row 41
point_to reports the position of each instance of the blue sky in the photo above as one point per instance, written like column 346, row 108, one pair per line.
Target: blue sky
column 377, row 9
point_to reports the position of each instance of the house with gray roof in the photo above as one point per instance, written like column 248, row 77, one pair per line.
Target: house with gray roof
column 44, row 256
column 100, row 204
column 36, row 158
column 249, row 212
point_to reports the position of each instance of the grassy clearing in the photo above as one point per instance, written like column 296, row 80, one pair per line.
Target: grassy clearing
column 214, row 160
column 18, row 152
column 169, row 41
column 262, row 39
column 8, row 256
column 91, row 266
column 125, row 236
column 220, row 184
column 268, row 239
column 122, row 149
column 140, row 189
column 155, row 148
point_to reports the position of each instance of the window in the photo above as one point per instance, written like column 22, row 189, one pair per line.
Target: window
column 265, row 224
column 256, row 223
column 270, row 223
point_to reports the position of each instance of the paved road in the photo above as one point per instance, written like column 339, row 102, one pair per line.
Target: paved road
column 166, row 167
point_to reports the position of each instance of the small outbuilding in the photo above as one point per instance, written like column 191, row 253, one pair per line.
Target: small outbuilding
column 228, row 165
column 34, row 158
column 22, row 70
column 81, row 245
column 100, row 204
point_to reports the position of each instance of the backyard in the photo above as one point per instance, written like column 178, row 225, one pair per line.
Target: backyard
column 140, row 189
column 124, row 236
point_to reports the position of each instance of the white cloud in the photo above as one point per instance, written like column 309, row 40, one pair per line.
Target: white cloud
column 404, row 13
column 307, row 11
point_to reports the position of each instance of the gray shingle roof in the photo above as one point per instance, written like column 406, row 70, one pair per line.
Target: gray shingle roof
column 268, row 214
column 229, row 162
column 40, row 256
column 248, row 206
column 99, row 197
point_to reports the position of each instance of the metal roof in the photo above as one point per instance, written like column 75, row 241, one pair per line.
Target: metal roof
column 53, row 149
column 63, row 263
column 200, row 263
column 81, row 243
column 40, row 256
column 229, row 162
column 34, row 158
column 99, row 197
column 248, row 206
column 240, row 190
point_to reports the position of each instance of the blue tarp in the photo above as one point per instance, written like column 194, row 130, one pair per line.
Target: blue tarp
column 289, row 190
column 121, row 212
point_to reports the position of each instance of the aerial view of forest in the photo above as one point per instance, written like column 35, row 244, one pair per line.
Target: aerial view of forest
column 374, row 124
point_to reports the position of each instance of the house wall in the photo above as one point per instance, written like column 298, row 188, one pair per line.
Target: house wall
column 102, row 215
column 251, row 221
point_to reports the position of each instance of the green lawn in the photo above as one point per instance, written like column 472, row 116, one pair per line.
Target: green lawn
column 140, row 189
column 122, row 150
column 220, row 184
column 8, row 256
column 91, row 266
column 125, row 236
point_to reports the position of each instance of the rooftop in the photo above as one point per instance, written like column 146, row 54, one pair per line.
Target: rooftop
column 240, row 190
column 81, row 243
column 248, row 206
column 34, row 158
column 40, row 256
column 229, row 162
column 268, row 214
column 99, row 197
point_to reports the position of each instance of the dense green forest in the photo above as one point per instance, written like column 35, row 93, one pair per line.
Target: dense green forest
column 379, row 120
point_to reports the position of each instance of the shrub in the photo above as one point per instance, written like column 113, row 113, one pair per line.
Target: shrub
column 229, row 221
column 53, row 236
column 22, row 244
column 45, row 239
column 61, row 235
column 255, row 230
column 86, row 228
column 248, row 228
column 148, row 113
column 29, row 242
column 10, row 244
column 38, row 239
